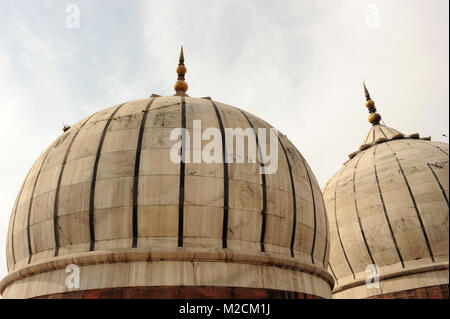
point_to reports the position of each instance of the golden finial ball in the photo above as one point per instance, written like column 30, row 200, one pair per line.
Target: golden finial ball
column 370, row 103
column 181, row 69
column 180, row 86
column 374, row 118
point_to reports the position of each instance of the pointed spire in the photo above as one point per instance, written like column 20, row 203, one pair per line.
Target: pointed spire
column 366, row 92
column 181, row 60
column 181, row 86
column 374, row 117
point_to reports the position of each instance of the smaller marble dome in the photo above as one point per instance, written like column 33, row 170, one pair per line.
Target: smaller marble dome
column 388, row 206
column 107, row 197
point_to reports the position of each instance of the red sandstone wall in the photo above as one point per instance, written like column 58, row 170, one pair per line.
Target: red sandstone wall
column 433, row 292
column 180, row 293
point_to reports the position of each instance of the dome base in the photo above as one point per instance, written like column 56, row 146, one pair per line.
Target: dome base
column 400, row 283
column 167, row 268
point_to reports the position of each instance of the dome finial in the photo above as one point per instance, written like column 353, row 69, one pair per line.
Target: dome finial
column 374, row 117
column 366, row 92
column 181, row 86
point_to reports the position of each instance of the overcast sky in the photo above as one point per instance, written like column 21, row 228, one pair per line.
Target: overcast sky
column 297, row 64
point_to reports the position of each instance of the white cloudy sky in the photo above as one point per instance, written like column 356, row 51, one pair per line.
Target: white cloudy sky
column 297, row 64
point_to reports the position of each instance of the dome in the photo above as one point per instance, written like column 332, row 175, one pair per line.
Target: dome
column 388, row 206
column 106, row 197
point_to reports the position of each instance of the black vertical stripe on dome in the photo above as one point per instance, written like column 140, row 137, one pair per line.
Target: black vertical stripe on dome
column 373, row 136
column 439, row 183
column 58, row 188
column 182, row 177
column 137, row 163
column 384, row 207
column 357, row 211
column 435, row 146
column 327, row 227
column 94, row 179
column 332, row 272
column 14, row 221
column 419, row 217
column 326, row 235
column 366, row 140
column 30, row 250
column 314, row 210
column 225, row 178
column 440, row 149
column 294, row 200
column 391, row 130
column 264, row 186
column 382, row 132
column 337, row 226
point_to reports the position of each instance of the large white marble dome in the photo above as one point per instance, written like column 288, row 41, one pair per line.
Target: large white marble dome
column 106, row 196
